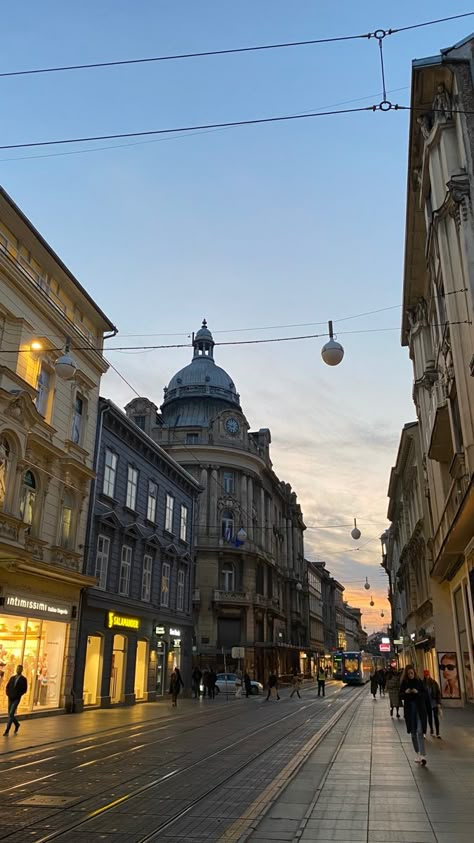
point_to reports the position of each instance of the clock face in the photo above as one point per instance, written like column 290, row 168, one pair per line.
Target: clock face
column 232, row 425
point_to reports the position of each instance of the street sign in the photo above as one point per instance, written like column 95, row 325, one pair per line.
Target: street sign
column 398, row 642
column 384, row 648
column 238, row 652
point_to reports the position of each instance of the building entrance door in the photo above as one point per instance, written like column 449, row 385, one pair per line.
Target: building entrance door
column 117, row 674
column 141, row 670
column 93, row 669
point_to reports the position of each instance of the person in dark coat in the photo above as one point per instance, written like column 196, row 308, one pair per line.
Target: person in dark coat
column 247, row 685
column 196, row 677
column 393, row 688
column 381, row 680
column 16, row 686
column 176, row 683
column 272, row 684
column 433, row 698
column 414, row 698
column 373, row 684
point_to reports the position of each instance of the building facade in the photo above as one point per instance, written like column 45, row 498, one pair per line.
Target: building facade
column 249, row 589
column 438, row 330
column 316, row 615
column 136, row 621
column 48, row 416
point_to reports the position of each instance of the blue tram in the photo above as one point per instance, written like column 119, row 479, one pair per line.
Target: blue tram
column 357, row 667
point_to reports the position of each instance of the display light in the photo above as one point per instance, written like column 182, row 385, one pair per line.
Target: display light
column 65, row 365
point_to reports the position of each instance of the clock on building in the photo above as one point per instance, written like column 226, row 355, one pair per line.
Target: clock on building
column 232, row 425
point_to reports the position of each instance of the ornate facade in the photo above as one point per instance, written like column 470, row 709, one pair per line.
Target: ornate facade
column 47, row 434
column 249, row 529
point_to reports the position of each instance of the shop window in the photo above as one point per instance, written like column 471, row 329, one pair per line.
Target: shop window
column 169, row 513
column 227, row 525
column 44, row 390
column 125, row 568
column 227, row 577
column 180, row 591
column 146, row 577
column 151, row 502
column 78, row 419
column 229, row 482
column 132, row 484
column 183, row 525
column 141, row 670
column 93, row 670
column 165, row 584
column 28, row 498
column 102, row 561
column 4, row 469
column 117, row 673
column 110, row 473
column 66, row 537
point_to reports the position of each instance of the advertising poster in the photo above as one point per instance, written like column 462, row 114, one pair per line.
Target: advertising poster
column 448, row 676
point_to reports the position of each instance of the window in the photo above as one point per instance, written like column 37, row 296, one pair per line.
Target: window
column 180, row 592
column 110, row 472
column 132, row 483
column 169, row 513
column 125, row 567
column 229, row 482
column 192, row 438
column 77, row 419
column 151, row 503
column 102, row 561
column 227, row 577
column 183, row 525
column 227, row 525
column 146, row 578
column 4, row 466
column 43, row 388
column 140, row 421
column 28, row 497
column 165, row 584
column 66, row 520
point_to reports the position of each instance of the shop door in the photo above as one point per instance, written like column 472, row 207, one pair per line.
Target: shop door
column 141, row 670
column 160, row 673
column 93, row 669
column 117, row 674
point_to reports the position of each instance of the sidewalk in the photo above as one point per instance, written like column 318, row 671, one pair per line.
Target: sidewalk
column 369, row 789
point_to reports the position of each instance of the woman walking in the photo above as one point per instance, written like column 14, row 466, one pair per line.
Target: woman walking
column 176, row 683
column 414, row 704
column 393, row 688
column 373, row 684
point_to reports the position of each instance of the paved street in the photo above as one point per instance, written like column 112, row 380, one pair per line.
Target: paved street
column 336, row 768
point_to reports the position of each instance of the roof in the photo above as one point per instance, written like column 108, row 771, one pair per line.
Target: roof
column 34, row 231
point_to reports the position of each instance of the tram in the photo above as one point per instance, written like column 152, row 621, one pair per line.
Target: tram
column 357, row 667
column 337, row 671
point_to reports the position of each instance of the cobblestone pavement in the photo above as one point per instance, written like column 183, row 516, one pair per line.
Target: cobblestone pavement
column 154, row 773
column 361, row 784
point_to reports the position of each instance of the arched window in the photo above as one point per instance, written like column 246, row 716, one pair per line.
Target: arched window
column 66, row 520
column 227, row 525
column 227, row 577
column 28, row 497
column 4, row 468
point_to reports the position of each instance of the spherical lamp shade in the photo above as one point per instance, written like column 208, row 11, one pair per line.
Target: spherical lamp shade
column 355, row 532
column 65, row 367
column 332, row 352
column 367, row 584
column 299, row 587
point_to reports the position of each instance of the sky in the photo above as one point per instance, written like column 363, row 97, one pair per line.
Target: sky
column 286, row 224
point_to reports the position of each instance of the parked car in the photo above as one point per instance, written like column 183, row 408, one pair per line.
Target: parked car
column 226, row 682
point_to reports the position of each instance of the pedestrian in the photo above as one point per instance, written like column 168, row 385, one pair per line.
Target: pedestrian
column 321, row 682
column 296, row 682
column 176, row 683
column 212, row 683
column 272, row 686
column 16, row 687
column 413, row 695
column 238, row 685
column 381, row 680
column 248, row 685
column 393, row 688
column 433, row 701
column 196, row 677
column 374, row 684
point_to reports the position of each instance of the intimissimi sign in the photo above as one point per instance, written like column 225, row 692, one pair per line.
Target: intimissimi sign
column 36, row 606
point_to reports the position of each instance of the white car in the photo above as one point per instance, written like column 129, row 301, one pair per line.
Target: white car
column 226, row 683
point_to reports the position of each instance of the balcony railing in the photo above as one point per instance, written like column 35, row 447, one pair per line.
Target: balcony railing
column 236, row 597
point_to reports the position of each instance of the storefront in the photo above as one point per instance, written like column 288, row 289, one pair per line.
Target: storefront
column 168, row 654
column 34, row 632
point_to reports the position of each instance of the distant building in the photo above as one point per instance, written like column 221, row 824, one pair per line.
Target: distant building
column 317, row 646
column 136, row 623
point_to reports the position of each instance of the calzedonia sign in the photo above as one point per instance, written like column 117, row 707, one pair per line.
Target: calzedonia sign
column 122, row 621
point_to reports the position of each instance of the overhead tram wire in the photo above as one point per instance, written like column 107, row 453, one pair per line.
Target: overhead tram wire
column 230, row 51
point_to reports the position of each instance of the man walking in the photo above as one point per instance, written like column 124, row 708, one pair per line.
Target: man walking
column 196, row 677
column 433, row 701
column 16, row 687
column 296, row 682
column 321, row 682
column 272, row 686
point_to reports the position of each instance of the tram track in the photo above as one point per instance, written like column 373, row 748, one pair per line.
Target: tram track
column 86, row 823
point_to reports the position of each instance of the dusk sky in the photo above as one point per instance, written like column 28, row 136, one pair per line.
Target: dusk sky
column 275, row 228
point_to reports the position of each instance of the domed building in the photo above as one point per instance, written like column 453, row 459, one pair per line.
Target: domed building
column 249, row 556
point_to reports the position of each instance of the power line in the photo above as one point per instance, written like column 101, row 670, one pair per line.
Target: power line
column 230, row 51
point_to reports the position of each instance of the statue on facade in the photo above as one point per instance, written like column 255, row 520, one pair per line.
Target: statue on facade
column 425, row 124
column 442, row 104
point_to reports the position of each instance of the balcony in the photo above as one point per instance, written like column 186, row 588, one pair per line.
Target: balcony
column 439, row 429
column 261, row 600
column 454, row 530
column 232, row 598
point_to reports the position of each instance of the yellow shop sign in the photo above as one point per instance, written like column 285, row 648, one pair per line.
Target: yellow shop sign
column 122, row 621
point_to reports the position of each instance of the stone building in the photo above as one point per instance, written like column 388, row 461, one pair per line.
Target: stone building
column 407, row 555
column 316, row 576
column 249, row 529
column 48, row 414
column 438, row 317
column 136, row 622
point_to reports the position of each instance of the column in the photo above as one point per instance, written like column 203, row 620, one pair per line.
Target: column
column 213, row 519
column 203, row 520
column 262, row 518
column 289, row 542
column 249, row 508
column 243, row 503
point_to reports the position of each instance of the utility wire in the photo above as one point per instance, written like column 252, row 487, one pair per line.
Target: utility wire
column 229, row 51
